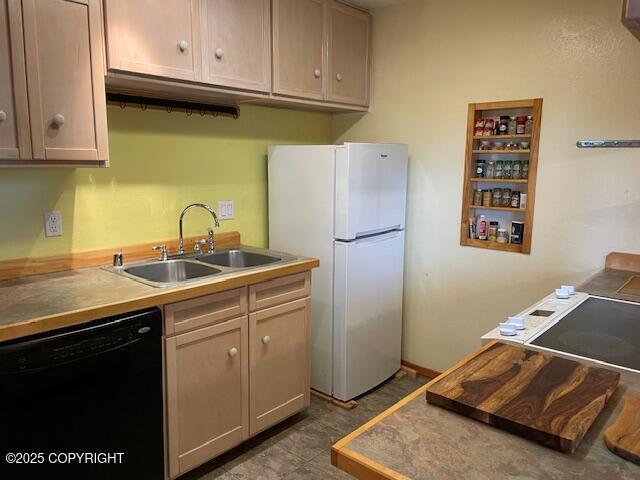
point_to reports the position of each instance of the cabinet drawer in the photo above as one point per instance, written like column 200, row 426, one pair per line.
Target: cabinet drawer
column 279, row 290
column 204, row 311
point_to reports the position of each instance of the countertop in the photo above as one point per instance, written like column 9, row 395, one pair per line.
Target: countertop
column 414, row 439
column 607, row 283
column 39, row 303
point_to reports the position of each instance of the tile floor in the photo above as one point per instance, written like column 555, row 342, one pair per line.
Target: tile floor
column 300, row 447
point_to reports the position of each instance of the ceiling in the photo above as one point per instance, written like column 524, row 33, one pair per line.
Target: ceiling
column 371, row 4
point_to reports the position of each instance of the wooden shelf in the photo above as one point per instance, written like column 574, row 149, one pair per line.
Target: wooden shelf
column 530, row 107
column 522, row 136
column 499, row 180
column 504, row 209
column 507, row 247
column 510, row 152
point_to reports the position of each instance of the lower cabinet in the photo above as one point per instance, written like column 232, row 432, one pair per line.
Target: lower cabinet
column 207, row 393
column 279, row 358
column 237, row 362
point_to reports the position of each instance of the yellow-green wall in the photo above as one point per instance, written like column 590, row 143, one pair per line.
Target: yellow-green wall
column 160, row 162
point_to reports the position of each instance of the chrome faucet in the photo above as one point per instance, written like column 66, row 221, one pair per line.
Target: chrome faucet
column 210, row 231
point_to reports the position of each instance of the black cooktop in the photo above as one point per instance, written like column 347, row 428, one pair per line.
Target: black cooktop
column 601, row 329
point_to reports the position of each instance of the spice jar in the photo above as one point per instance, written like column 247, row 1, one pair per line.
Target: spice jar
column 506, row 169
column 489, row 126
column 516, row 170
column 525, row 169
column 480, row 167
column 499, row 168
column 485, row 145
column 512, row 126
column 496, row 197
column 513, row 146
column 528, row 125
column 515, row 199
column 490, row 170
column 477, row 197
column 479, row 130
column 503, row 127
column 503, row 236
column 498, row 145
column 493, row 231
column 520, row 127
column 506, row 197
column 486, row 198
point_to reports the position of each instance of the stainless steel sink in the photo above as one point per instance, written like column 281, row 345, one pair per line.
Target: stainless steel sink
column 171, row 271
column 238, row 259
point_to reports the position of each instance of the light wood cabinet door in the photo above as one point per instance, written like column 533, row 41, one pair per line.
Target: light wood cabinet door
column 207, row 393
column 65, row 79
column 349, row 39
column 298, row 48
column 15, row 136
column 236, row 43
column 279, row 370
column 155, row 37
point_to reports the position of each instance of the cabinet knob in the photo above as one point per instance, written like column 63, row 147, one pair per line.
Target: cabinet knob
column 3, row 115
column 233, row 352
column 219, row 53
column 183, row 45
column 339, row 77
column 317, row 73
column 58, row 119
column 266, row 339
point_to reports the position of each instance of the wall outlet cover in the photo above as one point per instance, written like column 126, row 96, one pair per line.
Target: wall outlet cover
column 225, row 209
column 53, row 224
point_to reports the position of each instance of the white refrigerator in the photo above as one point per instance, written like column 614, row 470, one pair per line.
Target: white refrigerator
column 346, row 206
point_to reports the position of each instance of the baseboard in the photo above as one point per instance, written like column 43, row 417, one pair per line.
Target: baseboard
column 424, row 371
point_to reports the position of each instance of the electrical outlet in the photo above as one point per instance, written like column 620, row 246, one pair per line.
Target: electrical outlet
column 225, row 209
column 53, row 224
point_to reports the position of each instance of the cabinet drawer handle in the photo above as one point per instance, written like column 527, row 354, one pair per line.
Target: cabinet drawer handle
column 183, row 45
column 233, row 352
column 58, row 119
column 339, row 77
column 266, row 339
column 3, row 115
column 317, row 73
column 219, row 53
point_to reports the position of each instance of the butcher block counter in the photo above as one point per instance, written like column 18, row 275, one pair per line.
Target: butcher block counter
column 417, row 440
column 39, row 303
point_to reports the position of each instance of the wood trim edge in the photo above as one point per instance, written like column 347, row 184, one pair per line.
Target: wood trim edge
column 623, row 261
column 22, row 267
column 424, row 371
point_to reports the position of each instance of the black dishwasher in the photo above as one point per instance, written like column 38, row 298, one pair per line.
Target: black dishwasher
column 84, row 401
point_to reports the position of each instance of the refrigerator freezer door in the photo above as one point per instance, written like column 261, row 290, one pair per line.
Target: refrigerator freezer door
column 371, row 189
column 367, row 312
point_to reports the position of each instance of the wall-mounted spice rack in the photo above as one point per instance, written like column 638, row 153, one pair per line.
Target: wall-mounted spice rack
column 485, row 150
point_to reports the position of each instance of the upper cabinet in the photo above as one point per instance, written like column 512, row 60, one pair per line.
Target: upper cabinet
column 236, row 42
column 298, row 48
column 155, row 37
column 348, row 72
column 631, row 16
column 321, row 51
column 310, row 52
column 51, row 54
column 15, row 137
column 65, row 80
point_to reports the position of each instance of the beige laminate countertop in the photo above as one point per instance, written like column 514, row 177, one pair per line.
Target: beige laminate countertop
column 39, row 303
column 608, row 282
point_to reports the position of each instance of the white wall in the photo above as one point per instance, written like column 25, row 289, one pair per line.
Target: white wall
column 434, row 57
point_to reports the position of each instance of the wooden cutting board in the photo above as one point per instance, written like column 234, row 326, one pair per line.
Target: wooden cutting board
column 623, row 437
column 545, row 398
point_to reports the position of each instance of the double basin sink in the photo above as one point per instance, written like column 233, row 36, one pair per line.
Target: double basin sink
column 199, row 266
